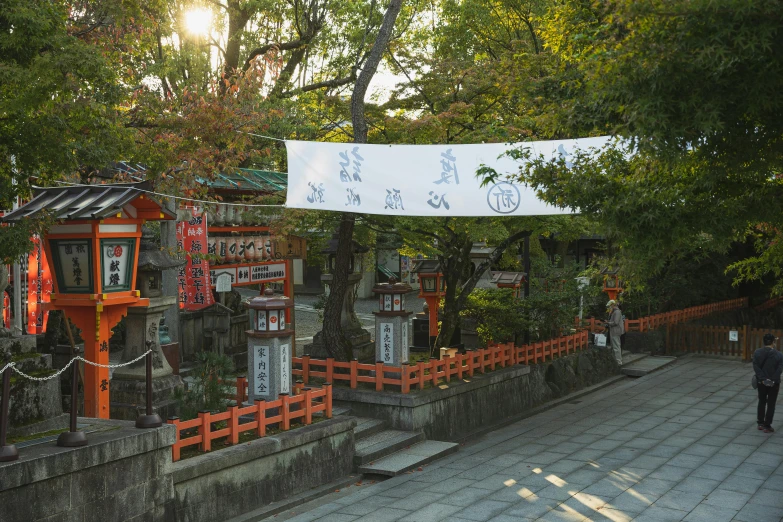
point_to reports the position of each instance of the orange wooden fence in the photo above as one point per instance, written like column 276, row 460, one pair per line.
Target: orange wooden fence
column 280, row 412
column 653, row 322
column 436, row 371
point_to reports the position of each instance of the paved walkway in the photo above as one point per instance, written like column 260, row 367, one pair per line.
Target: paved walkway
column 679, row 444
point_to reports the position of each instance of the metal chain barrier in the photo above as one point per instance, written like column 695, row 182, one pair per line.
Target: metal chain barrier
column 77, row 358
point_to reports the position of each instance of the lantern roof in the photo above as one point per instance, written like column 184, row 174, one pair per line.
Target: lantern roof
column 426, row 266
column 331, row 246
column 269, row 301
column 153, row 258
column 508, row 278
column 78, row 202
column 609, row 271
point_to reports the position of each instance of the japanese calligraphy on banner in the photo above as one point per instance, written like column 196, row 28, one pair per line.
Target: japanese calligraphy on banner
column 387, row 343
column 417, row 180
column 194, row 278
column 39, row 288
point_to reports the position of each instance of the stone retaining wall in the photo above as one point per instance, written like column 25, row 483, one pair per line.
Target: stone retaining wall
column 461, row 408
column 120, row 475
column 235, row 480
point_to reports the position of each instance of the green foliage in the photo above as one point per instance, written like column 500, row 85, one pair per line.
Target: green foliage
column 206, row 392
column 497, row 314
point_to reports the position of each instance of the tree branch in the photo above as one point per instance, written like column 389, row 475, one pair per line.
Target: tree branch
column 286, row 46
column 328, row 84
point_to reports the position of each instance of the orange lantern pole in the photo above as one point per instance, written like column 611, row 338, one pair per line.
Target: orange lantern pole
column 93, row 252
column 432, row 287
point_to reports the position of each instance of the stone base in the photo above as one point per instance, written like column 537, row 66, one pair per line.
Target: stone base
column 33, row 404
column 363, row 347
column 17, row 345
column 129, row 399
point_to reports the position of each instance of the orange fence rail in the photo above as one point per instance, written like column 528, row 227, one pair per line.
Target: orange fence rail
column 281, row 412
column 653, row 322
column 436, row 371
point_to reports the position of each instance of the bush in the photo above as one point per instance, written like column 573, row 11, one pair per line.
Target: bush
column 208, row 391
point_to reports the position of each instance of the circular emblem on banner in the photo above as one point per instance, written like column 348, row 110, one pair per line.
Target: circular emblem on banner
column 118, row 251
column 396, row 301
column 503, row 197
column 273, row 319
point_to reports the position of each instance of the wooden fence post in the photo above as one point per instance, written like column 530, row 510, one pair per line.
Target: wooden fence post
column 379, row 376
column 745, row 343
column 434, row 371
column 233, row 422
column 308, row 406
column 241, row 384
column 354, row 372
column 404, row 377
column 261, row 418
column 204, row 430
column 284, row 411
column 329, row 369
column 306, row 369
column 421, row 375
column 175, row 448
column 328, row 399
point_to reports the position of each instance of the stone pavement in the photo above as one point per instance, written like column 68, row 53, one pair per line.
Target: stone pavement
column 679, row 444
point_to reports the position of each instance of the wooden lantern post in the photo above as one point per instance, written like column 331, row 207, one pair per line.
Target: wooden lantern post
column 93, row 250
column 432, row 287
column 612, row 284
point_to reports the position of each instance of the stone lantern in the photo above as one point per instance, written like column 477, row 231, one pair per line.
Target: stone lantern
column 391, row 323
column 359, row 339
column 142, row 333
column 269, row 347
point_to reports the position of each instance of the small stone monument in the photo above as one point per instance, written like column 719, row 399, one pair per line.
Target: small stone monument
column 391, row 323
column 268, row 347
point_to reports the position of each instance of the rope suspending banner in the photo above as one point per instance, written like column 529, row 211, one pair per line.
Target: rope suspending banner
column 12, row 365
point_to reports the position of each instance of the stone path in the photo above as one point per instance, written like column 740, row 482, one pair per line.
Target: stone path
column 678, row 444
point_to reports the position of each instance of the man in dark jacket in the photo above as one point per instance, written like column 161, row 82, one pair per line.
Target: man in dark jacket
column 768, row 365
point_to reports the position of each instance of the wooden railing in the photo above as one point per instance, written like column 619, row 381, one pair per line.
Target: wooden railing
column 716, row 340
column 281, row 412
column 435, row 371
column 653, row 322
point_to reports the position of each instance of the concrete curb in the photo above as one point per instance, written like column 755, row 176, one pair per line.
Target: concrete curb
column 544, row 407
column 276, row 508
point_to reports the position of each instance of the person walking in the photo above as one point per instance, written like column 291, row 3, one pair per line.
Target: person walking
column 768, row 365
column 616, row 329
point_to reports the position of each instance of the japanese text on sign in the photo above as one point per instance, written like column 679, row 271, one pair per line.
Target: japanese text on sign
column 387, row 342
column 261, row 371
column 285, row 369
column 194, row 280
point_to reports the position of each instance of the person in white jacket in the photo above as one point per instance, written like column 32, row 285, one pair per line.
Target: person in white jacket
column 616, row 329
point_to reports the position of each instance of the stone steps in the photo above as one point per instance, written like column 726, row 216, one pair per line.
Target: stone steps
column 409, row 458
column 630, row 358
column 382, row 444
column 643, row 366
column 366, row 426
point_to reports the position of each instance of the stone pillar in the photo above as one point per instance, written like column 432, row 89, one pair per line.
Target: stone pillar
column 168, row 240
column 128, row 383
column 269, row 343
column 391, row 336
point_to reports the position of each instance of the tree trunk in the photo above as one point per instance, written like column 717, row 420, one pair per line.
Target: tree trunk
column 334, row 339
column 455, row 299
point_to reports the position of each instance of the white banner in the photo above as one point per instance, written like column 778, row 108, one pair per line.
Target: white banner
column 417, row 180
